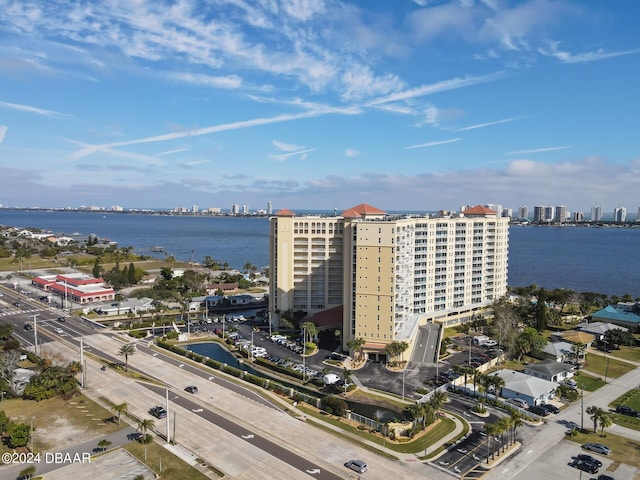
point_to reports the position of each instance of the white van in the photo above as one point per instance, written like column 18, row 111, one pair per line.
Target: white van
column 519, row 402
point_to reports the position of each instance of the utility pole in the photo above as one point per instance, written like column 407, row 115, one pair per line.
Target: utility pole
column 269, row 324
column 582, row 406
column 82, row 362
column 35, row 334
column 167, row 399
column 304, row 344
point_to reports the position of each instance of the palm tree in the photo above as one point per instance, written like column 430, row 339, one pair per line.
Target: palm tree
column 119, row 410
column 491, row 429
column 498, row 382
column 415, row 411
column 578, row 350
column 144, row 425
column 504, row 425
column 356, row 345
column 516, row 421
column 594, row 413
column 438, row 399
column 605, row 421
column 125, row 351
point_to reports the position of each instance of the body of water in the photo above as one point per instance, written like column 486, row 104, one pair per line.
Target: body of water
column 603, row 260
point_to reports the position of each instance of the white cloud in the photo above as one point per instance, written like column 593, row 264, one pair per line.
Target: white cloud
column 483, row 125
column 287, row 147
column 360, row 82
column 352, row 152
column 284, row 156
column 438, row 87
column 303, row 10
column 225, row 82
column 539, row 150
column 31, row 109
column 433, row 144
column 3, row 132
column 585, row 57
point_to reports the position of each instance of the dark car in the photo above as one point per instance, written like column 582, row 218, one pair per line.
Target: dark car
column 16, row 304
column 61, row 319
column 590, row 459
column 539, row 410
column 28, row 326
column 158, row 411
column 550, row 408
column 624, row 410
column 191, row 389
column 605, row 477
column 585, row 466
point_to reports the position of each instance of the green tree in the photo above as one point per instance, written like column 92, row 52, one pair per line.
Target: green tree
column 605, row 420
column 126, row 351
column 119, row 410
column 97, row 268
column 104, row 444
column 355, row 345
column 19, row 434
column 594, row 413
column 542, row 314
column 28, row 472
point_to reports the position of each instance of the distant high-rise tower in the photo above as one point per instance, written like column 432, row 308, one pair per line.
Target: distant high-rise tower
column 194, row 209
column 523, row 212
column 245, row 209
column 494, row 207
column 596, row 213
column 561, row 214
column 235, row 209
column 507, row 212
column 620, row 214
column 638, row 217
column 269, row 208
column 578, row 217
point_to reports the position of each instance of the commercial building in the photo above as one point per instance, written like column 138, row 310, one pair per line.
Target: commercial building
column 75, row 287
column 380, row 277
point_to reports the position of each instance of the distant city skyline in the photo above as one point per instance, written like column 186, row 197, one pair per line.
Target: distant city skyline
column 407, row 104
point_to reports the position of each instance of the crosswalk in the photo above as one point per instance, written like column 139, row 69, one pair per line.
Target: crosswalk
column 11, row 310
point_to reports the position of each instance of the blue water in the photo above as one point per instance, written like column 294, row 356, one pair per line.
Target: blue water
column 603, row 260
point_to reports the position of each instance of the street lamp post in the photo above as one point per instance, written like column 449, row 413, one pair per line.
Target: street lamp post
column 31, row 434
column 304, row 350
column 269, row 324
column 35, row 334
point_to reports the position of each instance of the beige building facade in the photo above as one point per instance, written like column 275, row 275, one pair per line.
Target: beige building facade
column 390, row 274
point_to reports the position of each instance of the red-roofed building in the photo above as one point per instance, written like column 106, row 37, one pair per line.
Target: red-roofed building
column 285, row 213
column 76, row 287
column 478, row 210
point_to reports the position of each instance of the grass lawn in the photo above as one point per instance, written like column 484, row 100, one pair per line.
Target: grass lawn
column 623, row 450
column 55, row 416
column 611, row 367
column 589, row 382
column 630, row 399
column 627, row 353
column 173, row 468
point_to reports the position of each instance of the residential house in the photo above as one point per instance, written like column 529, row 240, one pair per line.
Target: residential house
column 624, row 315
column 573, row 336
column 598, row 329
column 550, row 370
column 557, row 351
column 533, row 390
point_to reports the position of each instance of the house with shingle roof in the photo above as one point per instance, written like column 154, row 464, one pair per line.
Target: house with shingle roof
column 598, row 329
column 533, row 390
column 550, row 370
column 557, row 351
column 573, row 336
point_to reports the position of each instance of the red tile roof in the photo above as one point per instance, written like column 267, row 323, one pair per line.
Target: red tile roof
column 285, row 212
column 362, row 209
column 479, row 210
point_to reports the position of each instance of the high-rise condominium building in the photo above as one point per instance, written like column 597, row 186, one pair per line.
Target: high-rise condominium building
column 560, row 214
column 381, row 277
column 235, row 209
column 269, row 208
column 620, row 214
column 542, row 213
column 523, row 212
column 578, row 217
column 596, row 213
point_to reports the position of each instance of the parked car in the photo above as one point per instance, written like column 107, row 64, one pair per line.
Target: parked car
column 58, row 330
column 604, row 477
column 191, row 389
column 597, row 448
column 61, row 319
column 28, row 326
column 588, row 458
column 585, row 466
column 519, row 402
column 356, row 465
column 158, row 411
column 624, row 410
column 539, row 410
column 551, row 408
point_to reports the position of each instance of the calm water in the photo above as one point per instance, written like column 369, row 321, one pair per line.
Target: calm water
column 604, row 260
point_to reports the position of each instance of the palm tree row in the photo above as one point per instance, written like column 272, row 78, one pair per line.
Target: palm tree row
column 600, row 417
column 425, row 413
column 505, row 429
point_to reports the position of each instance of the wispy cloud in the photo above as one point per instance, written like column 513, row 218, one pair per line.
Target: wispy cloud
column 301, row 154
column 539, row 150
column 171, row 152
column 315, row 112
column 287, row 147
column 3, row 132
column 488, row 124
column 593, row 56
column 225, row 82
column 438, row 87
column 31, row 109
column 193, row 163
column 433, row 144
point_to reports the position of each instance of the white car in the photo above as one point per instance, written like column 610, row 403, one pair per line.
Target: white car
column 59, row 331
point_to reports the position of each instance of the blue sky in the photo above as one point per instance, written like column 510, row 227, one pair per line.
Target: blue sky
column 403, row 104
